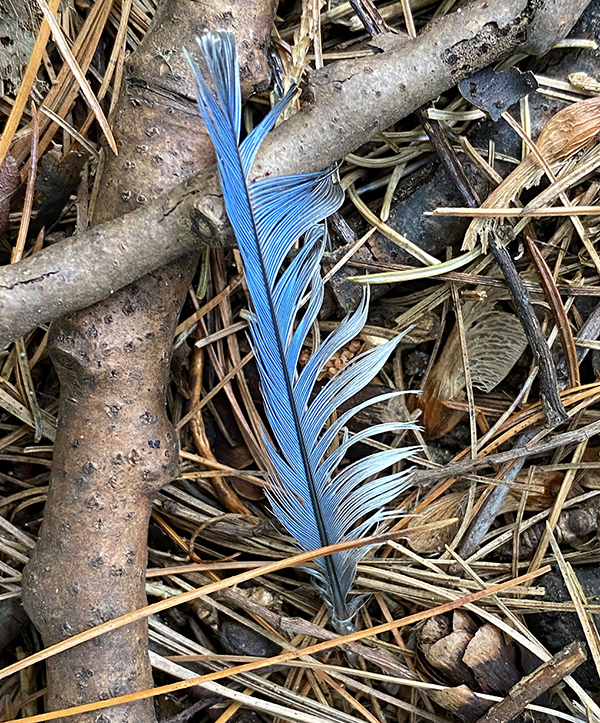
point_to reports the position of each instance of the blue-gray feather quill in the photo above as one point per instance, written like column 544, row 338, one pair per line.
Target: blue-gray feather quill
column 318, row 504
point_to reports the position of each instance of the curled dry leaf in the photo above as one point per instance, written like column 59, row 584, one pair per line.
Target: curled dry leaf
column 543, row 486
column 495, row 341
column 571, row 130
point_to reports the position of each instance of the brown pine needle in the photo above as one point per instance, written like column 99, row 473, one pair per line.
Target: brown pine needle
column 70, row 60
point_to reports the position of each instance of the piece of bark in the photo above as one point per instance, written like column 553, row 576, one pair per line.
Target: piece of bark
column 115, row 446
column 462, row 702
column 433, row 630
column 491, row 660
column 532, row 686
column 10, row 180
column 350, row 101
column 447, row 656
column 463, row 621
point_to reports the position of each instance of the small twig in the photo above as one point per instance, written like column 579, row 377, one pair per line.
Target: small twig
column 459, row 468
column 552, row 405
column 487, row 513
column 443, row 147
column 532, row 686
column 370, row 17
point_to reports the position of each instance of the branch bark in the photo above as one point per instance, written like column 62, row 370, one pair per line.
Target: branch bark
column 348, row 103
column 115, row 446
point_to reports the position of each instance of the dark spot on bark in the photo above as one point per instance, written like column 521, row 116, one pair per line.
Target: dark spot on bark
column 154, row 443
column 94, row 502
column 83, row 673
column 74, row 588
column 146, row 418
column 92, row 332
column 134, row 456
column 116, row 571
column 80, row 481
column 368, row 70
column 113, row 410
column 130, row 557
column 96, row 561
column 89, row 467
column 66, row 629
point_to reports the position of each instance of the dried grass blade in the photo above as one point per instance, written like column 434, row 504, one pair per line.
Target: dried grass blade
column 574, row 587
column 558, row 310
column 217, row 675
column 26, row 84
column 70, row 60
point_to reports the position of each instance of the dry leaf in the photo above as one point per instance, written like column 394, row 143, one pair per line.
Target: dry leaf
column 495, row 341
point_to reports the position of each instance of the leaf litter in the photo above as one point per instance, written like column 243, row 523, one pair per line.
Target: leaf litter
column 479, row 397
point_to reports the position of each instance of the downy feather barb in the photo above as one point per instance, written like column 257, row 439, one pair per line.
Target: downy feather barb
column 315, row 501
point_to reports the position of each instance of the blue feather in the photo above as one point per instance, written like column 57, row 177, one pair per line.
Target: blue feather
column 317, row 504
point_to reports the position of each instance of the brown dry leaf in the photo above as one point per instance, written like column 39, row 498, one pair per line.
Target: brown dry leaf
column 10, row 180
column 452, row 504
column 571, row 130
column 495, row 341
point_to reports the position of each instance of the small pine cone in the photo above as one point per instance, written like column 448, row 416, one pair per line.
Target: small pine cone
column 337, row 361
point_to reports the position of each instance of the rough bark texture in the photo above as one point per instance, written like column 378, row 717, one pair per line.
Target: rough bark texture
column 349, row 102
column 115, row 446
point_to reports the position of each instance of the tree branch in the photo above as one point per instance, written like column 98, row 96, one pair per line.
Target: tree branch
column 348, row 103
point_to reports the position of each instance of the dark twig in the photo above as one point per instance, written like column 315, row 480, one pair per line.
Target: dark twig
column 370, row 17
column 532, row 686
column 443, row 147
column 552, row 406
